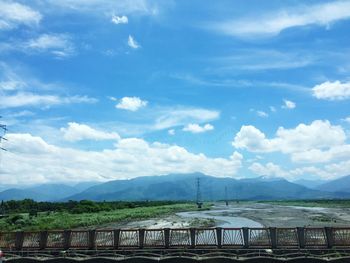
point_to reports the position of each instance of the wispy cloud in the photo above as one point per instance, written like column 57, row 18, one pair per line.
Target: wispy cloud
column 14, row 14
column 102, row 7
column 173, row 117
column 274, row 22
column 23, row 91
column 133, row 43
column 25, row 99
column 59, row 45
column 264, row 59
column 262, row 114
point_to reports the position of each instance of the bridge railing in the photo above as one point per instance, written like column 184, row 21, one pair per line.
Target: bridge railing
column 300, row 237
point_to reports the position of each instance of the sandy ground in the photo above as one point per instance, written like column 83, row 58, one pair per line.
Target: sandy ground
column 246, row 214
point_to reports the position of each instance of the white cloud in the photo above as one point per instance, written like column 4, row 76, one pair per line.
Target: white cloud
column 263, row 59
column 288, row 104
column 131, row 103
column 21, row 99
column 262, row 114
column 77, row 132
column 347, row 119
column 133, row 43
column 270, row 169
column 275, row 22
column 60, row 45
column 103, row 7
column 272, row 109
column 195, row 128
column 182, row 116
column 119, row 19
column 321, row 156
column 300, row 142
column 30, row 158
column 332, row 90
column 14, row 14
column 171, row 132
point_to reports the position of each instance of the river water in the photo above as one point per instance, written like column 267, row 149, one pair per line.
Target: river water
column 223, row 215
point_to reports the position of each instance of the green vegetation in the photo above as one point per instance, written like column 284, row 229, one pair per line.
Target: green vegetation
column 202, row 222
column 30, row 215
column 328, row 203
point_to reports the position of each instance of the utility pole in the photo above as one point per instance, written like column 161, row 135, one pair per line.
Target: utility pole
column 226, row 199
column 199, row 196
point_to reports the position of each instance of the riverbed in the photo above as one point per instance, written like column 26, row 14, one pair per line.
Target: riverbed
column 246, row 214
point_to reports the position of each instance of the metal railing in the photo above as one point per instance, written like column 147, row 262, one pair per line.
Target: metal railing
column 245, row 238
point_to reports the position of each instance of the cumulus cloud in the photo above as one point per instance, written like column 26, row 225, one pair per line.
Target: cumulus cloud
column 321, row 156
column 196, row 128
column 30, row 158
column 270, row 169
column 133, row 43
column 13, row 14
column 131, row 103
column 119, row 19
column 275, row 22
column 288, row 104
column 22, row 99
column 77, row 132
column 332, row 90
column 300, row 142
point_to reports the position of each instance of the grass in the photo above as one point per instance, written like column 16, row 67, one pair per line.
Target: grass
column 327, row 203
column 65, row 220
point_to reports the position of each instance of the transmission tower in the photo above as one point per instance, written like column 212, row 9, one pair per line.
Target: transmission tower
column 3, row 130
column 199, row 196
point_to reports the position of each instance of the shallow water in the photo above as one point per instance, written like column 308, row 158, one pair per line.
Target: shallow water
column 224, row 217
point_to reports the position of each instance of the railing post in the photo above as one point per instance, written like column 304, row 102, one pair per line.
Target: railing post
column 273, row 237
column 43, row 239
column 67, row 235
column 193, row 237
column 116, row 235
column 329, row 236
column 219, row 236
column 167, row 237
column 19, row 240
column 301, row 236
column 245, row 231
column 92, row 239
column 141, row 237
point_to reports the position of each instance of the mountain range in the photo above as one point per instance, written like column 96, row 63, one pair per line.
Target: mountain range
column 183, row 187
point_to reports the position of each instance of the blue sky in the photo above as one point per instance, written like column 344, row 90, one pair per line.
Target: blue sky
column 102, row 90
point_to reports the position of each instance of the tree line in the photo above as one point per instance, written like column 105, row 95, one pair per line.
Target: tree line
column 75, row 207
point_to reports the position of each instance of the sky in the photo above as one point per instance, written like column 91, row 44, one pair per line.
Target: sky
column 98, row 90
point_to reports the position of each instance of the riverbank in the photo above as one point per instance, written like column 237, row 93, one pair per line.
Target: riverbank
column 66, row 220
